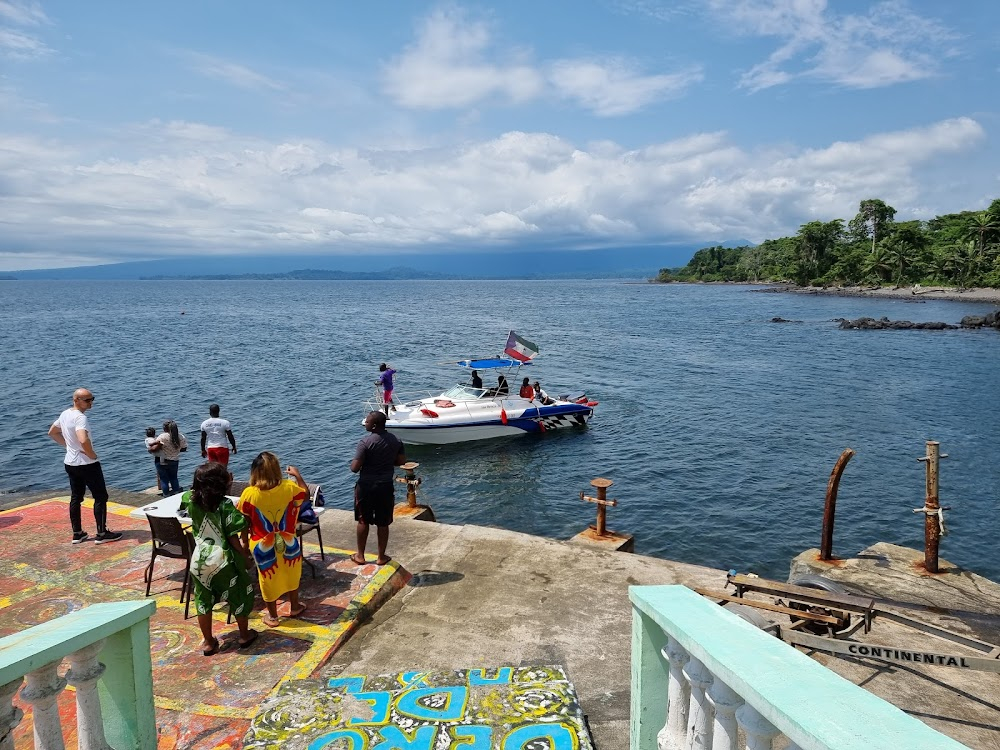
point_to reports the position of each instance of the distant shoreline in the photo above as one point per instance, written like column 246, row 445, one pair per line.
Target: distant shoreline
column 914, row 293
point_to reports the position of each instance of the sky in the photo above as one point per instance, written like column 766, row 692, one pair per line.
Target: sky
column 132, row 130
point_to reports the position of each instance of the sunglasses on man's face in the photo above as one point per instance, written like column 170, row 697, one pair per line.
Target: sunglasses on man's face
column 87, row 399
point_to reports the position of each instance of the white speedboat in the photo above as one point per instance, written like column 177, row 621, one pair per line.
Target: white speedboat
column 464, row 412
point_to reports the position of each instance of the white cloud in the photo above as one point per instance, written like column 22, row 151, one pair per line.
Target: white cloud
column 446, row 67
column 230, row 72
column 16, row 45
column 247, row 195
column 614, row 87
column 889, row 44
column 23, row 13
column 454, row 64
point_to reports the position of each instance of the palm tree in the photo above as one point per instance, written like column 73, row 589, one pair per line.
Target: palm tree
column 983, row 227
column 878, row 264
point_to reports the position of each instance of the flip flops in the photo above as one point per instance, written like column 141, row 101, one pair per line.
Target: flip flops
column 356, row 561
column 212, row 649
column 249, row 642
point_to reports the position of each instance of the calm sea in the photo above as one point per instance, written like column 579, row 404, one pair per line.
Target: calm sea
column 718, row 427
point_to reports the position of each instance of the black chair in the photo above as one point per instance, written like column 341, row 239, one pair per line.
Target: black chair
column 171, row 540
column 307, row 528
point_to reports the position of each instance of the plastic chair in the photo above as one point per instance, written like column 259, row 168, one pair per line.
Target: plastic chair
column 302, row 529
column 171, row 540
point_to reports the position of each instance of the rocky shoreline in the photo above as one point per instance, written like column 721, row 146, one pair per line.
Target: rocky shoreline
column 914, row 293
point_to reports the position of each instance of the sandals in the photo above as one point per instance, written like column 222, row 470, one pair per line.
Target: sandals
column 297, row 612
column 271, row 622
column 212, row 649
column 356, row 561
column 250, row 641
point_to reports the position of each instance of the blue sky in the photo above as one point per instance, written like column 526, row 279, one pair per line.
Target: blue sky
column 133, row 130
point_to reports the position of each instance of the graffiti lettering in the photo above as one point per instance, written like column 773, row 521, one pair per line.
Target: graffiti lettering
column 394, row 738
column 434, row 704
column 559, row 737
column 353, row 736
column 478, row 676
column 472, row 737
column 380, row 703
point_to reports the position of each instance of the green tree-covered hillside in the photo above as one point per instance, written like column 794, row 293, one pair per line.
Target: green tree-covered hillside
column 960, row 250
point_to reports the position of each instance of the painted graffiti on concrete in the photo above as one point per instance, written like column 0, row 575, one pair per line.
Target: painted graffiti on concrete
column 505, row 708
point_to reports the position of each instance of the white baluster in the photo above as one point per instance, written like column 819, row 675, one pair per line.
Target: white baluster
column 759, row 730
column 10, row 715
column 699, row 711
column 84, row 672
column 725, row 701
column 42, row 691
column 674, row 733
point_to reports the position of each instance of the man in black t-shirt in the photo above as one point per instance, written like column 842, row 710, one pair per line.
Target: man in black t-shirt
column 377, row 455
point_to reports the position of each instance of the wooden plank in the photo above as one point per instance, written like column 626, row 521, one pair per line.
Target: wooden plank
column 847, row 602
column 796, row 613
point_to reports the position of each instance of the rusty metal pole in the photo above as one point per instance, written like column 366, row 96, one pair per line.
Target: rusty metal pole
column 602, row 498
column 411, row 481
column 601, row 501
column 830, row 506
column 932, row 504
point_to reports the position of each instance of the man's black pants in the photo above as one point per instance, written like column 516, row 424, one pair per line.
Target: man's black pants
column 81, row 478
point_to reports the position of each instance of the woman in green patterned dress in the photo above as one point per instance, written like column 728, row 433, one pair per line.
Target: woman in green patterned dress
column 218, row 565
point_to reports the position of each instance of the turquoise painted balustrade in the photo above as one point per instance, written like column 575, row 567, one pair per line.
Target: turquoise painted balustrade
column 701, row 676
column 107, row 647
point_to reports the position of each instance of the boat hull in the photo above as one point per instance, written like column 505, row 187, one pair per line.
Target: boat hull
column 419, row 429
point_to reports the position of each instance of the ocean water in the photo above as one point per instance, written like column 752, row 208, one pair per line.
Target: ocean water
column 718, row 427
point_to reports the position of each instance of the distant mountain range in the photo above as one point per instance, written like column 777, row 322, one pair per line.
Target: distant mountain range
column 544, row 263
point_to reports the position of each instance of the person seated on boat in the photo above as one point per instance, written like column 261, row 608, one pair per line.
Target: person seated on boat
column 502, row 388
column 477, row 382
column 541, row 396
column 526, row 390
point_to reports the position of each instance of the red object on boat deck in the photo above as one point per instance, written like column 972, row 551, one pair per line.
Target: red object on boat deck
column 428, row 412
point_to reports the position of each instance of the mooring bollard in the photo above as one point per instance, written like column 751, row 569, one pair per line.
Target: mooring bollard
column 932, row 510
column 410, row 509
column 599, row 535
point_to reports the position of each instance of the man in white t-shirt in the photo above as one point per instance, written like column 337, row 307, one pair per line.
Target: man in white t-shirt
column 214, row 433
column 72, row 431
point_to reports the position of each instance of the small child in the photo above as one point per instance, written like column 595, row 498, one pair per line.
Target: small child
column 219, row 562
column 150, row 439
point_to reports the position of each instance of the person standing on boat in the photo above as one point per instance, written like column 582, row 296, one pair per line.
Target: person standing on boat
column 385, row 380
column 377, row 454
column 214, row 433
column 72, row 431
column 526, row 390
column 477, row 382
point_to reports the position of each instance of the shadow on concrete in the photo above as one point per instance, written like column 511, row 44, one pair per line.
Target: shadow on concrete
column 435, row 577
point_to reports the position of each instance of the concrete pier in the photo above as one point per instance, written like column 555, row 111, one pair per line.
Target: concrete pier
column 483, row 598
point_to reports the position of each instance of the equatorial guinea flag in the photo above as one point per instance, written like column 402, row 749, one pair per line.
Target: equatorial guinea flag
column 519, row 348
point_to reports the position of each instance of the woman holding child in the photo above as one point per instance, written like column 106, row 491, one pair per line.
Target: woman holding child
column 271, row 503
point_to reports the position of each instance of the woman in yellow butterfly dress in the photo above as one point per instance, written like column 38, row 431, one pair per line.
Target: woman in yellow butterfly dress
column 271, row 503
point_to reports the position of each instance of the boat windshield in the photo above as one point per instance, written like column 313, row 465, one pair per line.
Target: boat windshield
column 463, row 391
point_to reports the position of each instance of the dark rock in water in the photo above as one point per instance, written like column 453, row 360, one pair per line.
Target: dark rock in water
column 782, row 320
column 884, row 324
column 990, row 320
